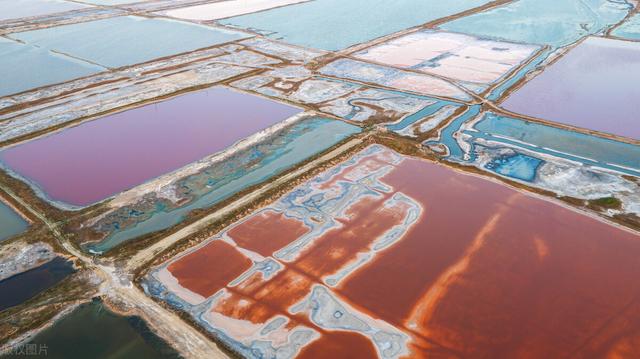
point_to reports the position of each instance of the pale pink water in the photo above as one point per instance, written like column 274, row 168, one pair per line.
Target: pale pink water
column 97, row 159
column 594, row 86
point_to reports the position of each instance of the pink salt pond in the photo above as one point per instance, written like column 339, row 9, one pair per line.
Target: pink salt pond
column 594, row 86
column 95, row 160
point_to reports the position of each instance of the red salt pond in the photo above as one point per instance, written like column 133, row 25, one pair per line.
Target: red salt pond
column 267, row 232
column 339, row 345
column 95, row 160
column 367, row 220
column 491, row 272
column 487, row 271
column 219, row 260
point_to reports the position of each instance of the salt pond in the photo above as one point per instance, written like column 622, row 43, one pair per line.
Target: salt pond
column 93, row 331
column 16, row 9
column 518, row 166
column 224, row 9
column 338, row 24
column 21, row 287
column 108, row 42
column 222, row 180
column 544, row 22
column 456, row 56
column 588, row 149
column 382, row 223
column 594, row 86
column 630, row 29
column 10, row 222
column 88, row 163
column 393, row 77
column 24, row 67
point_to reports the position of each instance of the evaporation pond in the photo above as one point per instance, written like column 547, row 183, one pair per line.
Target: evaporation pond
column 16, row 9
column 338, row 24
column 10, row 222
column 25, row 67
column 126, row 40
column 562, row 141
column 545, row 22
column 604, row 98
column 223, row 179
column 93, row 331
column 97, row 159
column 468, row 260
column 630, row 29
column 21, row 287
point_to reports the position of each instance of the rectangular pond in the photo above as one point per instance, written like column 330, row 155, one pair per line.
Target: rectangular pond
column 25, row 67
column 17, row 9
column 456, row 56
column 603, row 99
column 127, row 40
column 95, row 160
column 587, row 149
column 541, row 275
column 26, row 285
column 393, row 77
column 93, row 331
column 630, row 29
column 544, row 22
column 11, row 223
column 224, row 9
column 338, row 24
column 219, row 181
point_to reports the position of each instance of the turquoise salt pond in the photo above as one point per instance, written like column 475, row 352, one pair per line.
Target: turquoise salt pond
column 93, row 331
column 126, row 40
column 25, row 67
column 337, row 24
column 630, row 29
column 222, row 180
column 587, row 149
column 10, row 222
column 17, row 9
column 517, row 166
column 538, row 138
column 545, row 22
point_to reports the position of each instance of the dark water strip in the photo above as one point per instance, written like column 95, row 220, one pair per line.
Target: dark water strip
column 93, row 331
column 24, row 286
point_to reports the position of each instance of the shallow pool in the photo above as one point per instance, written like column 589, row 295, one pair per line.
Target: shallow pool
column 222, row 180
column 544, row 22
column 24, row 286
column 97, row 159
column 517, row 166
column 93, row 331
column 630, row 29
column 604, row 98
column 10, row 222
column 109, row 42
column 17, row 9
column 25, row 67
column 338, row 24
column 591, row 150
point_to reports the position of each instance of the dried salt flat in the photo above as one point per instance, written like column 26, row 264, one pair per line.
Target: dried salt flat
column 456, row 56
